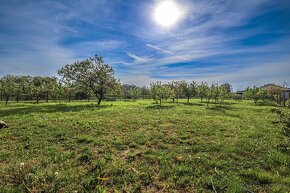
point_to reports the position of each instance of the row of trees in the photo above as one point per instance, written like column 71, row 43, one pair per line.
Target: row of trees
column 181, row 89
column 93, row 76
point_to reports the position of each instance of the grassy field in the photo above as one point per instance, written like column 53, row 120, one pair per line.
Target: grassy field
column 140, row 147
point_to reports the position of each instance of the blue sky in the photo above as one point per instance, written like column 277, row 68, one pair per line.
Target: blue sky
column 244, row 42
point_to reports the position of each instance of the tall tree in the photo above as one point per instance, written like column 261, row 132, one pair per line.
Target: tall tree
column 92, row 74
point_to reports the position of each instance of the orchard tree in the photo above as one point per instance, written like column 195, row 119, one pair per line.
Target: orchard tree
column 202, row 90
column 225, row 91
column 275, row 91
column 177, row 87
column 131, row 91
column 8, row 87
column 49, row 85
column 189, row 89
column 37, row 87
column 21, row 84
column 92, row 74
column 215, row 92
column 255, row 94
column 145, row 92
column 160, row 91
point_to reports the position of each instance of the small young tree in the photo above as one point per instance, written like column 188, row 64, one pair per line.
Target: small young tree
column 38, row 89
column 92, row 74
column 177, row 87
column 131, row 91
column 160, row 91
column 145, row 92
column 225, row 91
column 189, row 89
column 255, row 94
column 8, row 87
column 275, row 91
column 202, row 90
column 215, row 92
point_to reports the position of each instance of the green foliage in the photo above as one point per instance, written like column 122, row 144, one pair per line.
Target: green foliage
column 189, row 89
column 91, row 74
column 160, row 91
column 255, row 94
column 203, row 90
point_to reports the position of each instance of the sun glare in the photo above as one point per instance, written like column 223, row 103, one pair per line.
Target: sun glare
column 167, row 13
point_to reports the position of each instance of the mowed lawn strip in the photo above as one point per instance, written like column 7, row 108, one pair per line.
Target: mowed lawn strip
column 137, row 146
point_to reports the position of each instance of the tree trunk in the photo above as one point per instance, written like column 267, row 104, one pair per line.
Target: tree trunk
column 7, row 99
column 160, row 102
column 100, row 98
column 188, row 99
column 17, row 98
column 69, row 97
column 47, row 96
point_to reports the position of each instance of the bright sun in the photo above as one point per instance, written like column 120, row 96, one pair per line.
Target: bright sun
column 167, row 13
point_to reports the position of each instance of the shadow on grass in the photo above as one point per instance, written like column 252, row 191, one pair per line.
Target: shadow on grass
column 192, row 104
column 159, row 107
column 48, row 108
column 221, row 108
column 266, row 103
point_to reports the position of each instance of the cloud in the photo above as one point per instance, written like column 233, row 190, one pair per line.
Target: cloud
column 136, row 58
column 216, row 40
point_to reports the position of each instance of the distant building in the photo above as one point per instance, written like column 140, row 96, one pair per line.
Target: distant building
column 240, row 92
column 285, row 94
column 267, row 87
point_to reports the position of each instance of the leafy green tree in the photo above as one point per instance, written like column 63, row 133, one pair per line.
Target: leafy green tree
column 8, row 87
column 189, row 89
column 225, row 91
column 177, row 87
column 255, row 94
column 145, row 92
column 21, row 84
column 92, row 74
column 202, row 90
column 160, row 91
column 38, row 88
column 275, row 91
column 215, row 92
column 131, row 91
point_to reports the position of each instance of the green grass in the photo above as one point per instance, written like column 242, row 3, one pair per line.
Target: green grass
column 140, row 147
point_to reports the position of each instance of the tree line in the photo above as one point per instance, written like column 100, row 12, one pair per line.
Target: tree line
column 93, row 76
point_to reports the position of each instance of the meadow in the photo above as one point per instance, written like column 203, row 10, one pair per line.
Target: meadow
column 137, row 146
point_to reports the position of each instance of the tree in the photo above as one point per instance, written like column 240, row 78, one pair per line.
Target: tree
column 92, row 74
column 189, row 89
column 145, row 92
column 202, row 90
column 177, row 87
column 8, row 86
column 131, row 91
column 38, row 88
column 255, row 94
column 225, row 91
column 21, row 84
column 215, row 92
column 275, row 91
column 160, row 91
